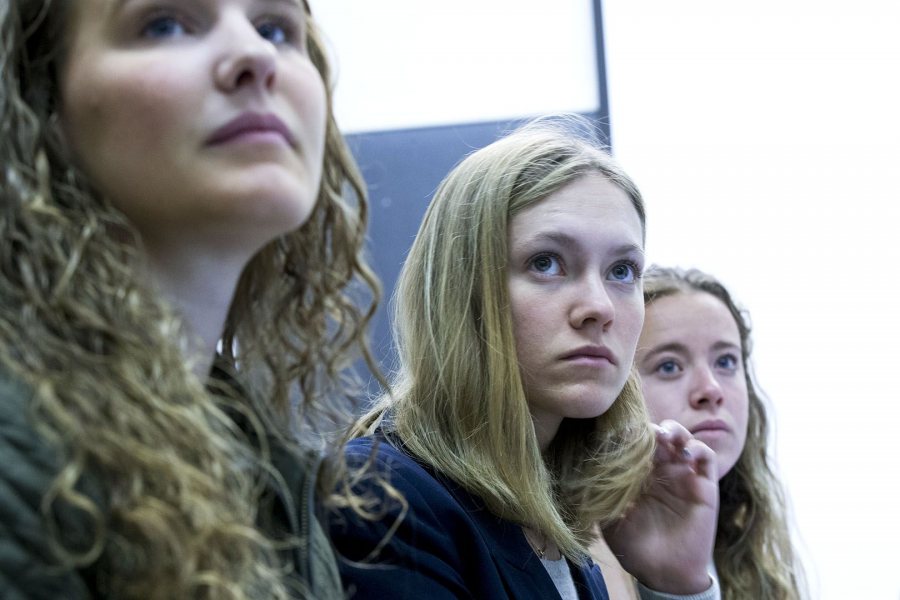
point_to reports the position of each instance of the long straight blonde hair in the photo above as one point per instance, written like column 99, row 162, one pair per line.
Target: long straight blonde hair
column 458, row 401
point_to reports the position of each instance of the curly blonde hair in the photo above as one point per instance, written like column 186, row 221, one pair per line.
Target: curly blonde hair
column 753, row 553
column 458, row 401
column 179, row 482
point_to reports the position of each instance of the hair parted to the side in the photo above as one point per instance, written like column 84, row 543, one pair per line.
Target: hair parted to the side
column 753, row 553
column 179, row 482
column 458, row 401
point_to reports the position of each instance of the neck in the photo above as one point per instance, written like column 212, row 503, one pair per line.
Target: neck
column 545, row 428
column 200, row 285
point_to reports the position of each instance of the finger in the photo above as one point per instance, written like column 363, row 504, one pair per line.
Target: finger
column 665, row 451
column 675, row 432
column 674, row 438
column 704, row 459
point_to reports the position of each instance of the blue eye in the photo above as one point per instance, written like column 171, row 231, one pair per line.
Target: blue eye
column 669, row 367
column 546, row 264
column 281, row 30
column 273, row 32
column 728, row 362
column 626, row 272
column 163, row 27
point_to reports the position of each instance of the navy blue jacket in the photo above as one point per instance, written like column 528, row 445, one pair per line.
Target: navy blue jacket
column 446, row 547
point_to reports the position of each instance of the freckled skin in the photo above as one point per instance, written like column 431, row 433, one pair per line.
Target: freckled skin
column 703, row 378
column 571, row 296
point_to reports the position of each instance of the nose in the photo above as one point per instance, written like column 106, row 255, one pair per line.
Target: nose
column 705, row 389
column 591, row 304
column 247, row 61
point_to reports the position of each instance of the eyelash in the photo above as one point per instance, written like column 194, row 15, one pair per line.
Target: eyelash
column 678, row 368
column 663, row 363
column 550, row 255
column 636, row 269
column 293, row 32
column 160, row 16
column 734, row 360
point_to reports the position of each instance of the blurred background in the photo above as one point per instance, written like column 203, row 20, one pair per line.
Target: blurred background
column 766, row 141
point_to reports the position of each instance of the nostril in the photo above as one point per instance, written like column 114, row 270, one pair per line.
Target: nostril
column 244, row 78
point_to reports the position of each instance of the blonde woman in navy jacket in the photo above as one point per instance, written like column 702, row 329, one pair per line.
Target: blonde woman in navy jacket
column 515, row 423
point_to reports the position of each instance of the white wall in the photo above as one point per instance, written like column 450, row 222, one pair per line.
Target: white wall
column 765, row 138
column 411, row 63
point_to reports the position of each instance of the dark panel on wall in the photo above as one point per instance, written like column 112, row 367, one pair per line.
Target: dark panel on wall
column 402, row 169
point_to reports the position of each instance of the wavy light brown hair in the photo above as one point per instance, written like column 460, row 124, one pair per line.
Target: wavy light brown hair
column 753, row 553
column 177, row 482
column 458, row 401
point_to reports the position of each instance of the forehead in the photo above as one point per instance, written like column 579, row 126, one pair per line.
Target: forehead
column 88, row 19
column 689, row 316
column 101, row 7
column 590, row 205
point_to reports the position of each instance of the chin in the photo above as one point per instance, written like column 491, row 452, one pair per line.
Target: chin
column 726, row 464
column 589, row 408
column 279, row 212
column 273, row 187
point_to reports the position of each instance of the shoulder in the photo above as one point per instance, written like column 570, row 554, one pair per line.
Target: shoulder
column 401, row 485
column 404, row 485
column 380, row 456
column 409, row 536
column 28, row 466
column 426, row 537
column 29, row 462
column 377, row 451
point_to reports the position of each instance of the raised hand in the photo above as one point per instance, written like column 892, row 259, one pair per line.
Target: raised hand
column 666, row 539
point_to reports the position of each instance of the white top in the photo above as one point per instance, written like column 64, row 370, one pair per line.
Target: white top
column 712, row 593
column 562, row 577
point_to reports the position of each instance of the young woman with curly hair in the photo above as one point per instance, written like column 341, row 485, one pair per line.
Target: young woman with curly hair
column 173, row 205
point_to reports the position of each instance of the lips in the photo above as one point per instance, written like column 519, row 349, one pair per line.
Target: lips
column 710, row 425
column 590, row 352
column 251, row 123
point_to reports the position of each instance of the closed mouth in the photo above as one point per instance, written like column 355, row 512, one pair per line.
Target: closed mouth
column 711, row 425
column 250, row 123
column 590, row 352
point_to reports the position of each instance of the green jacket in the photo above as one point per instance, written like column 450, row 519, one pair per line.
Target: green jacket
column 28, row 465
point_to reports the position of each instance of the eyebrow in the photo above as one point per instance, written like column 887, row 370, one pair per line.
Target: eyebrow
column 723, row 345
column 298, row 3
column 679, row 348
column 568, row 242
column 674, row 347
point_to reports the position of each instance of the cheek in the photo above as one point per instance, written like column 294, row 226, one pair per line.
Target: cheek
column 306, row 91
column 632, row 319
column 526, row 322
column 522, row 332
column 110, row 110
column 742, row 416
column 662, row 400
